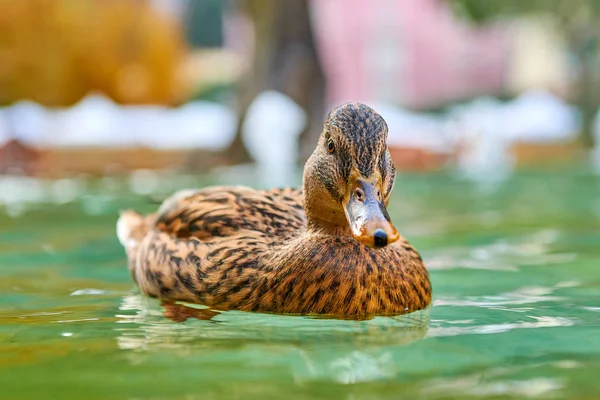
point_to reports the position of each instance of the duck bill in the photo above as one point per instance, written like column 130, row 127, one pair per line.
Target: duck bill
column 367, row 215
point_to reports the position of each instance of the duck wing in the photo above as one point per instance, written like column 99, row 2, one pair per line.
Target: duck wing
column 225, row 211
column 204, row 246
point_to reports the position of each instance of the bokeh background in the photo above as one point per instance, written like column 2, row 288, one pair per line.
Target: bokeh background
column 112, row 86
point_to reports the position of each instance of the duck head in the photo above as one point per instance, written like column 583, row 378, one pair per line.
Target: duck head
column 349, row 177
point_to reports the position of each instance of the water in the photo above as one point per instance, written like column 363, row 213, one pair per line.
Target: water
column 516, row 312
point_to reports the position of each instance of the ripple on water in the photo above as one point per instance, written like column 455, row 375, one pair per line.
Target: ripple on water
column 473, row 386
column 521, row 296
column 538, row 322
column 91, row 292
column 506, row 254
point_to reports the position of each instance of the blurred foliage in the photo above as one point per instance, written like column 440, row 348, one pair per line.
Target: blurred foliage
column 56, row 51
column 485, row 10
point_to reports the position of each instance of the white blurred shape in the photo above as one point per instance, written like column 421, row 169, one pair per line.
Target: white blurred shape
column 94, row 121
column 538, row 116
column 479, row 134
column 148, row 125
column 144, row 182
column 16, row 191
column 486, row 129
column 198, row 124
column 270, row 132
column 24, row 121
column 203, row 124
column 413, row 130
column 66, row 190
column 4, row 128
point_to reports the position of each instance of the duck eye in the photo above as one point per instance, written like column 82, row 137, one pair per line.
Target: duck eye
column 330, row 146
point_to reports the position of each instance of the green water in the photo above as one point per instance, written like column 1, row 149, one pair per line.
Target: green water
column 516, row 313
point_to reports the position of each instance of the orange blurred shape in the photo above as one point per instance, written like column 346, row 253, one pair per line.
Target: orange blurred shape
column 56, row 51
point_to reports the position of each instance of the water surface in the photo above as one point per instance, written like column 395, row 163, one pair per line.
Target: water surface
column 516, row 312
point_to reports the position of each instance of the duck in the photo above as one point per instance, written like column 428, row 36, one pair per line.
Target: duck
column 327, row 249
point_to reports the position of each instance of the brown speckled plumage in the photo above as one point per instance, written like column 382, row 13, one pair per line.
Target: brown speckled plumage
column 283, row 250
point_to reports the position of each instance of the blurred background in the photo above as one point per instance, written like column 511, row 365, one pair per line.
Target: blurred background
column 108, row 87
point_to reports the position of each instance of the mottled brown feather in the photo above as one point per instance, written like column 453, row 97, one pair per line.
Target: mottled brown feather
column 252, row 250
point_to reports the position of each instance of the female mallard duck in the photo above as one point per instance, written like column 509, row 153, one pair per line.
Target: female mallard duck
column 328, row 249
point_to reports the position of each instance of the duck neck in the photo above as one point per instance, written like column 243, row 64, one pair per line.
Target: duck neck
column 323, row 227
column 324, row 214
